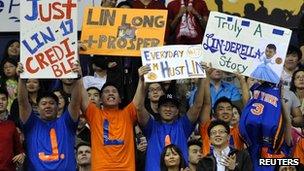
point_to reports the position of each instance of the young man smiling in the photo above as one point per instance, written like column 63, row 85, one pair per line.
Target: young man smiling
column 172, row 128
column 49, row 140
column 111, row 129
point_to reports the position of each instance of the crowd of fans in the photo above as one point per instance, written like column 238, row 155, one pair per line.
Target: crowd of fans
column 110, row 119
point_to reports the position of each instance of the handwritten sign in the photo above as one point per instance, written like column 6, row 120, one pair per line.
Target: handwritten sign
column 9, row 15
column 173, row 62
column 81, row 4
column 114, row 31
column 48, row 38
column 285, row 13
column 249, row 47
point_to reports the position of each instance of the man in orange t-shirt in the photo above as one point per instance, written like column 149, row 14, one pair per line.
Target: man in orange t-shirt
column 112, row 135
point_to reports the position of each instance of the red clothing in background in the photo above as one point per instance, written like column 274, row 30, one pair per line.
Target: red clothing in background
column 173, row 9
column 10, row 145
column 154, row 4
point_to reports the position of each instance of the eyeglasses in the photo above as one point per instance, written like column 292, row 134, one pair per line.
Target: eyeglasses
column 215, row 132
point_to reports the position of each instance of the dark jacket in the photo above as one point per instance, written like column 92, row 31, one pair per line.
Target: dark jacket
column 243, row 161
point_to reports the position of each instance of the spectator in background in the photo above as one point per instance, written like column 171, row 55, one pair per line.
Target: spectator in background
column 301, row 38
column 108, row 3
column 299, row 150
column 154, row 92
column 292, row 61
column 54, row 138
column 141, row 149
column 64, row 86
column 94, row 96
column 222, row 157
column 187, row 20
column 12, row 49
column 172, row 159
column 62, row 102
column 220, row 88
column 99, row 66
column 83, row 152
column 83, row 132
column 171, row 129
column 194, row 150
column 9, row 79
column 12, row 153
column 297, row 86
column 34, row 87
column 236, row 113
column 148, row 4
column 169, row 87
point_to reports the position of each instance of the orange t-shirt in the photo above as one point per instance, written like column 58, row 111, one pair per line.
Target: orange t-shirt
column 234, row 133
column 299, row 150
column 112, row 137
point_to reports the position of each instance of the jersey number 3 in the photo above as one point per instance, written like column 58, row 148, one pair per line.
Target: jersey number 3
column 257, row 108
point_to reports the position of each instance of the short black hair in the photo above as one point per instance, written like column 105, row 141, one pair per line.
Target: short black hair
column 294, row 50
column 82, row 143
column 4, row 91
column 194, row 142
column 93, row 88
column 100, row 62
column 221, row 100
column 47, row 94
column 271, row 46
column 216, row 123
column 110, row 84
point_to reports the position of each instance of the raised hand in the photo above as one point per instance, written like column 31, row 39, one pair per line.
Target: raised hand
column 77, row 68
column 143, row 70
column 182, row 10
column 19, row 159
column 19, row 68
column 207, row 67
column 229, row 161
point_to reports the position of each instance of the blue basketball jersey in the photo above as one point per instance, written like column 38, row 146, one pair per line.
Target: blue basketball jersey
column 261, row 123
column 50, row 144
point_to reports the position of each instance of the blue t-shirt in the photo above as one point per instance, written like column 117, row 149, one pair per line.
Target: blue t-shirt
column 226, row 89
column 156, row 132
column 50, row 144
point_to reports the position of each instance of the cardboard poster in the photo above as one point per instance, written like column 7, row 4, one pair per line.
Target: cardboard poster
column 48, row 38
column 10, row 13
column 173, row 62
column 122, row 32
column 249, row 47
